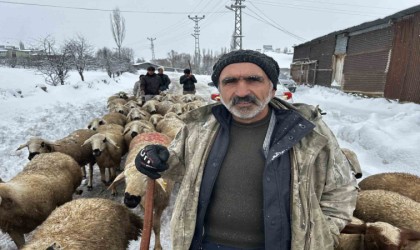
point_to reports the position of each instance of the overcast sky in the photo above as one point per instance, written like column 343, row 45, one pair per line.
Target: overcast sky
column 294, row 21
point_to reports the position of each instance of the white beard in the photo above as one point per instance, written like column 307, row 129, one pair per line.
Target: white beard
column 248, row 112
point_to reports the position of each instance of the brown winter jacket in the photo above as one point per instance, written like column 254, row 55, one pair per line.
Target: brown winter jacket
column 323, row 188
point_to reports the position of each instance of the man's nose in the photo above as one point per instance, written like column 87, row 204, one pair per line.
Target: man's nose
column 242, row 88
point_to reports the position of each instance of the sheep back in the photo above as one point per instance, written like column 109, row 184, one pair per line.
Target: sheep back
column 402, row 183
column 46, row 182
column 88, row 224
column 115, row 118
column 170, row 126
column 387, row 206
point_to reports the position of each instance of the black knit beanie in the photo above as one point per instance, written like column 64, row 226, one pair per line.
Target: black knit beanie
column 266, row 63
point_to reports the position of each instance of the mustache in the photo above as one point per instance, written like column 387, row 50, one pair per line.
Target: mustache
column 247, row 98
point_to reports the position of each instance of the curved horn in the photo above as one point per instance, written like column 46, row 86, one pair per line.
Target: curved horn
column 22, row 146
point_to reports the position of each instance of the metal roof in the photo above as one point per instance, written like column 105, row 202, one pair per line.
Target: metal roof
column 366, row 25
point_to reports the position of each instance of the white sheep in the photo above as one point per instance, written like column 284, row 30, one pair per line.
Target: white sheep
column 170, row 125
column 136, row 127
column 136, row 182
column 150, row 106
column 137, row 114
column 70, row 145
column 133, row 104
column 119, row 108
column 155, row 118
column 87, row 224
column 110, row 118
column 108, row 147
column 48, row 181
column 402, row 183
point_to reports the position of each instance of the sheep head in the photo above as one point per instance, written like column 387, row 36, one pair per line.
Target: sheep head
column 99, row 143
column 37, row 146
column 155, row 119
column 95, row 123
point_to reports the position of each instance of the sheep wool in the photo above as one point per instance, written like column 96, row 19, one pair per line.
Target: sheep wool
column 387, row 206
column 87, row 224
column 48, row 181
column 402, row 183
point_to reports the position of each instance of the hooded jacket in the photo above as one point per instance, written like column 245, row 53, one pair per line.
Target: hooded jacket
column 322, row 192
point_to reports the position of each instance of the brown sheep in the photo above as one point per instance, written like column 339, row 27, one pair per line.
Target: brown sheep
column 378, row 235
column 137, row 114
column 136, row 181
column 110, row 118
column 48, row 181
column 108, row 147
column 170, row 125
column 134, row 128
column 402, row 183
column 387, row 206
column 87, row 224
column 70, row 145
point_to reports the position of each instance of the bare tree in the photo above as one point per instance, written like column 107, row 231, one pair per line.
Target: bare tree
column 80, row 52
column 118, row 28
column 54, row 63
column 104, row 56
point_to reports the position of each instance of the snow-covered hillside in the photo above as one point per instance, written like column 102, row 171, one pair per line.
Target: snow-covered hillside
column 385, row 135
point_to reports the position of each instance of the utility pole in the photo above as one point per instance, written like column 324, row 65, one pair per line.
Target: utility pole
column 196, row 35
column 152, row 47
column 237, row 34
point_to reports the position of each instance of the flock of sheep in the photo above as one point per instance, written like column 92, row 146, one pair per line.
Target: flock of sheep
column 39, row 198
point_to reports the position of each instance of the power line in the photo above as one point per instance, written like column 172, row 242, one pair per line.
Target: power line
column 333, row 3
column 285, row 31
column 95, row 9
column 347, row 12
column 277, row 25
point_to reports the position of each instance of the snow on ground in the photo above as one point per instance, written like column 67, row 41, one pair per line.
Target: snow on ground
column 385, row 135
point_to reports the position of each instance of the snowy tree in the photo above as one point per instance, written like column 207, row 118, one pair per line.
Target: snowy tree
column 118, row 28
column 80, row 52
column 54, row 64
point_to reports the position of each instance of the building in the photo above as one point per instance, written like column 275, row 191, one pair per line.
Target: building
column 377, row 58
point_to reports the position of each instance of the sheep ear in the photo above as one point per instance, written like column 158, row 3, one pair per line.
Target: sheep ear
column 22, row 146
column 87, row 141
column 126, row 130
column 117, row 181
column 112, row 142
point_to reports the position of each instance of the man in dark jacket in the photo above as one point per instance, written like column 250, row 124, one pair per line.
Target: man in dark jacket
column 188, row 81
column 150, row 84
column 165, row 79
column 258, row 172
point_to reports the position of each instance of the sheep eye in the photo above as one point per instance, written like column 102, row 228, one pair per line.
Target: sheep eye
column 42, row 144
column 101, row 123
column 89, row 126
column 104, row 140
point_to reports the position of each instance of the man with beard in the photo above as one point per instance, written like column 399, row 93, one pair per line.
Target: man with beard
column 258, row 172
